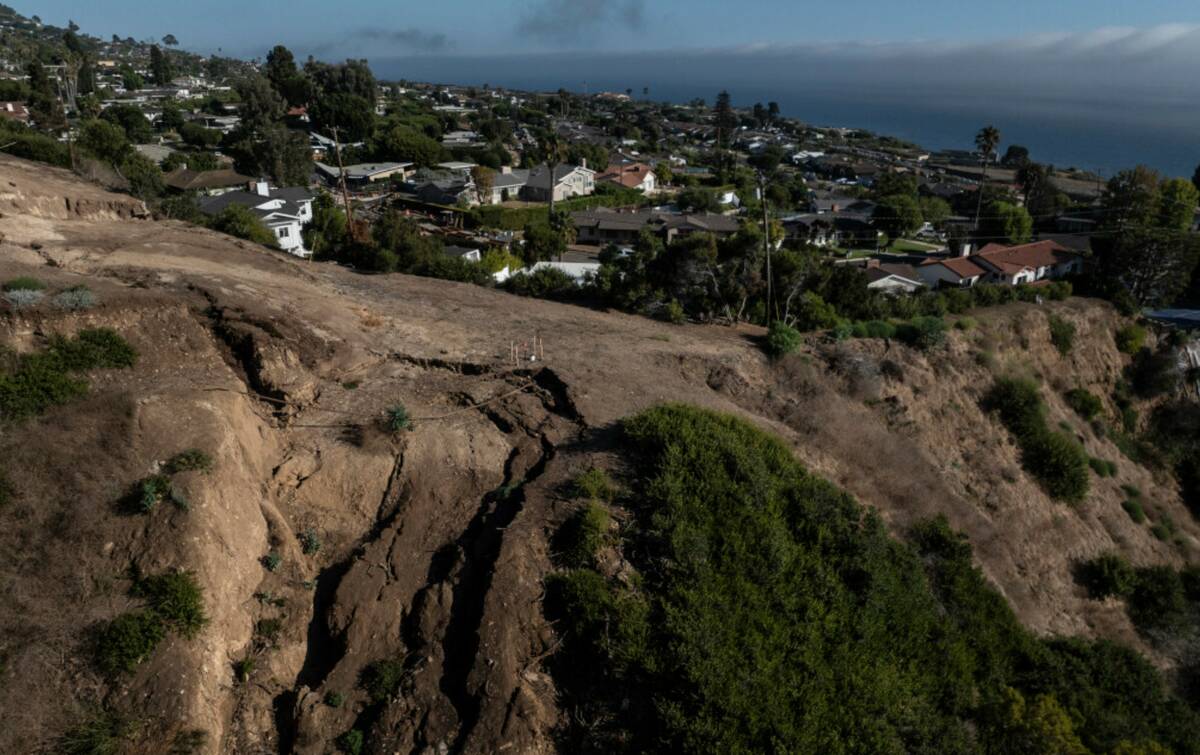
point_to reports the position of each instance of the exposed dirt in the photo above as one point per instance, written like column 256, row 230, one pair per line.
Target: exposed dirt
column 434, row 543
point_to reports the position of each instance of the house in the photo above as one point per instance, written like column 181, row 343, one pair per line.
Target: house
column 565, row 182
column 285, row 211
column 1028, row 263
column 14, row 111
column 810, row 228
column 952, row 272
column 1008, row 265
column 208, row 182
column 444, row 189
column 893, row 278
column 363, row 175
column 508, row 184
column 636, row 175
column 603, row 226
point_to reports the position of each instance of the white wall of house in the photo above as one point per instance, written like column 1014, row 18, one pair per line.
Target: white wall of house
column 288, row 234
column 934, row 275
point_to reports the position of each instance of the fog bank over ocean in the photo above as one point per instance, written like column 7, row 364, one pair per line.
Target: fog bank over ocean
column 1104, row 100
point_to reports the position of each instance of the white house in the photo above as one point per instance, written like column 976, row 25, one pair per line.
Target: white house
column 284, row 211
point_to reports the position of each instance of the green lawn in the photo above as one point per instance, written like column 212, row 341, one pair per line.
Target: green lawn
column 908, row 245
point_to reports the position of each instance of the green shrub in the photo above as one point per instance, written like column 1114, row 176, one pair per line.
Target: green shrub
column 1057, row 461
column 1158, row 600
column 23, row 299
column 1101, row 467
column 1164, row 529
column 583, row 535
column 1085, row 403
column 1062, row 335
column 267, row 630
column 241, row 222
column 814, row 313
column 674, row 313
column 6, row 490
column 873, row 329
column 334, row 699
column 1130, row 339
column 382, row 680
column 272, row 561
column 1135, row 511
column 97, row 349
column 1133, row 491
column 782, row 339
column 75, row 299
column 350, row 742
column 126, row 641
column 965, row 323
column 842, row 331
column 148, row 493
column 102, row 733
column 243, row 669
column 310, row 543
column 1107, row 575
column 594, row 484
column 925, row 332
column 191, row 460
column 396, row 419
column 1059, row 290
column 24, row 283
column 770, row 612
column 177, row 599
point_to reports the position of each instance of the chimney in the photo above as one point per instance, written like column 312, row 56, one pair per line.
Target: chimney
column 262, row 188
column 583, row 163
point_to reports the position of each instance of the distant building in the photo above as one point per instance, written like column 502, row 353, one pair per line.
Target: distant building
column 567, row 181
column 601, row 227
column 362, row 175
column 1007, row 265
column 14, row 111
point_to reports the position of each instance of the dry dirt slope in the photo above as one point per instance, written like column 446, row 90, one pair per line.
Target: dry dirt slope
column 434, row 544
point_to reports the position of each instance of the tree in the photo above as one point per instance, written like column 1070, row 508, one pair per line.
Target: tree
column 239, row 221
column 543, row 242
column 1015, row 156
column 485, row 179
column 1132, row 198
column 351, row 114
column 288, row 80
column 554, row 148
column 44, row 106
column 986, row 141
column 1177, row 204
column 171, row 118
column 195, row 135
column 170, row 40
column 898, row 215
column 131, row 119
column 935, row 210
column 131, row 79
column 261, row 104
column 144, row 177
column 726, row 121
column 283, row 155
column 1155, row 265
column 698, row 199
column 402, row 143
column 327, row 231
column 1042, row 197
column 105, row 140
column 892, row 183
column 1006, row 223
column 160, row 66
column 773, row 111
column 1196, row 178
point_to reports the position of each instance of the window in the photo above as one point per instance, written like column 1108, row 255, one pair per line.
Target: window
column 284, row 232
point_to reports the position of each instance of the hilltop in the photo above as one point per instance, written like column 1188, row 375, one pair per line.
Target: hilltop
column 323, row 543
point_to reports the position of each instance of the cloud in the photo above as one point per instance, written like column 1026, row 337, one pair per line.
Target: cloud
column 577, row 20
column 410, row 39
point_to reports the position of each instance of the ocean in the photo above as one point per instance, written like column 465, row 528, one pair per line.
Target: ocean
column 1100, row 128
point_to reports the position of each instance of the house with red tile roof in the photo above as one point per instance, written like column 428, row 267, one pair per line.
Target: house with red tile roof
column 952, row 272
column 1018, row 265
column 631, row 176
column 1028, row 263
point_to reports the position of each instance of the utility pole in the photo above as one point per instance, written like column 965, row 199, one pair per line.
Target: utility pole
column 337, row 150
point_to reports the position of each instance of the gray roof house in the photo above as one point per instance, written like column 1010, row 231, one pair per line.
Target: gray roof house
column 284, row 211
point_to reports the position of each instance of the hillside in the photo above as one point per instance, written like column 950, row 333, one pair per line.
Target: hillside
column 324, row 544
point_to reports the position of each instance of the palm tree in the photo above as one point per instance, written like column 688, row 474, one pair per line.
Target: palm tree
column 986, row 141
column 555, row 150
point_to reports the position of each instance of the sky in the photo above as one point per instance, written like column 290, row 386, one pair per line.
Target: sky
column 392, row 28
